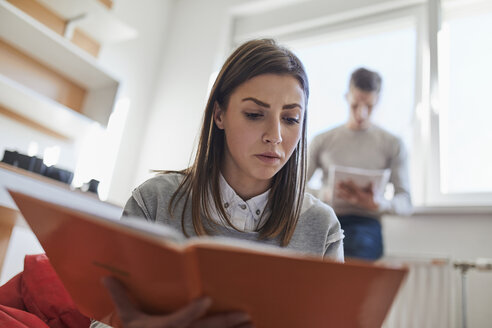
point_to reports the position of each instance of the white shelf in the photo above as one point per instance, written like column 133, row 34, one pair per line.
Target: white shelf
column 53, row 50
column 39, row 42
column 42, row 110
column 98, row 21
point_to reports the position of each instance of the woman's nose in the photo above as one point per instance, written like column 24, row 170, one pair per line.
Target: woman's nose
column 273, row 133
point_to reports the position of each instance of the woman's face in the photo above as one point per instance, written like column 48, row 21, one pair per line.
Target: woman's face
column 262, row 125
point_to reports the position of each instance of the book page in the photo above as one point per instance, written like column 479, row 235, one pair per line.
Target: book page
column 361, row 177
column 243, row 245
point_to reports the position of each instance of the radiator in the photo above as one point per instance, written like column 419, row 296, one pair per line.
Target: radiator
column 425, row 297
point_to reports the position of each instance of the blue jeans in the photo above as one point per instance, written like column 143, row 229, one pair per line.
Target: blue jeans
column 363, row 237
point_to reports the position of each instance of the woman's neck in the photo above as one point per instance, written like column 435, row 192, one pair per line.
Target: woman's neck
column 247, row 188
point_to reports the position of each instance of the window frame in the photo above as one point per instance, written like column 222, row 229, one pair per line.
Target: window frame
column 434, row 196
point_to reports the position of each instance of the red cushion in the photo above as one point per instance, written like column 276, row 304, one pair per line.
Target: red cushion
column 14, row 318
column 39, row 291
column 10, row 293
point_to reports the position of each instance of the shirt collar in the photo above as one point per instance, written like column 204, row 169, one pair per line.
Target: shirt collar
column 230, row 196
column 230, row 200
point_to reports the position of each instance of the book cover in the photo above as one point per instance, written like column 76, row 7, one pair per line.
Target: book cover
column 164, row 271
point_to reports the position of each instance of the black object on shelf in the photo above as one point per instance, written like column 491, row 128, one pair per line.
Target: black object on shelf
column 91, row 186
column 58, row 174
column 30, row 163
column 36, row 165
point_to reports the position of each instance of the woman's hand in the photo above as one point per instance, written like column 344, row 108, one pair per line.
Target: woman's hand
column 189, row 316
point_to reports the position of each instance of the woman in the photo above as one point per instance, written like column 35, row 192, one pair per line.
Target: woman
column 247, row 180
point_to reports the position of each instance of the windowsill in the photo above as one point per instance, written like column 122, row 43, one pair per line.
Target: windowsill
column 452, row 210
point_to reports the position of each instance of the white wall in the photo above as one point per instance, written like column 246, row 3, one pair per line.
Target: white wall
column 197, row 37
column 459, row 237
column 136, row 63
column 15, row 136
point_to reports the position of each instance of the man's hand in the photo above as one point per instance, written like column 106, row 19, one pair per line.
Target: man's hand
column 189, row 316
column 360, row 197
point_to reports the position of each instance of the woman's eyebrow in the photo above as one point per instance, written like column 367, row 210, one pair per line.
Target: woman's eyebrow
column 264, row 104
column 292, row 106
column 257, row 101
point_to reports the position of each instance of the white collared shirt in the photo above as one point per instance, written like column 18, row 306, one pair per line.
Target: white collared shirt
column 244, row 215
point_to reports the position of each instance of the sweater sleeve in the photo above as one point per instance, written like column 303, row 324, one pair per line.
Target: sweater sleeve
column 334, row 251
column 132, row 208
column 313, row 154
column 401, row 203
column 142, row 203
column 334, row 239
column 313, row 164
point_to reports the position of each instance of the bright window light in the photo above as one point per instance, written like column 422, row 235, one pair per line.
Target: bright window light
column 33, row 148
column 465, row 116
column 99, row 150
column 329, row 65
column 51, row 155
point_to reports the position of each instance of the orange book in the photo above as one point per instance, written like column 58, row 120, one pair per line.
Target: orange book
column 164, row 271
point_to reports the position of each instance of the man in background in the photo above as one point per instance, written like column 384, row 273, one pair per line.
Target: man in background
column 361, row 144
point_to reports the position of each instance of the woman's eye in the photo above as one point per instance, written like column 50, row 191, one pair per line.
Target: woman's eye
column 253, row 116
column 292, row 120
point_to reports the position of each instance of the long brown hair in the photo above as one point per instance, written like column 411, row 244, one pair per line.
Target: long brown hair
column 201, row 179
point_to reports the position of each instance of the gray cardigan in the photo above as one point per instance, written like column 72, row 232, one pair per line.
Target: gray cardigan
column 317, row 232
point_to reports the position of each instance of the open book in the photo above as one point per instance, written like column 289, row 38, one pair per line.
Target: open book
column 164, row 271
column 361, row 177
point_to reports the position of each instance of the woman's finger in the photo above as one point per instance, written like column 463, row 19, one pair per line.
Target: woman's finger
column 124, row 306
column 191, row 312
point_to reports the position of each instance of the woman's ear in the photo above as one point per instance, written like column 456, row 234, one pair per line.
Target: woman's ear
column 218, row 116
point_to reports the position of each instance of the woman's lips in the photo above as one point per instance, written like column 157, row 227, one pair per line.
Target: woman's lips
column 269, row 158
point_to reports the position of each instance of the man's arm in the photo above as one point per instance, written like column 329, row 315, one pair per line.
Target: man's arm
column 401, row 203
column 313, row 155
column 315, row 148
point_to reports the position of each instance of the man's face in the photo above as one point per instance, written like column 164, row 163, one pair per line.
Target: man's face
column 361, row 104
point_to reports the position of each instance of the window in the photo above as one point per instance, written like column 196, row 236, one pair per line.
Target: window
column 389, row 51
column 465, row 114
column 435, row 60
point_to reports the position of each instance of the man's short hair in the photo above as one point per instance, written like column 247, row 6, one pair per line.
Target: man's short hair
column 366, row 80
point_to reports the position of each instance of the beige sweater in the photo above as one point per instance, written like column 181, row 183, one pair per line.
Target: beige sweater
column 374, row 149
